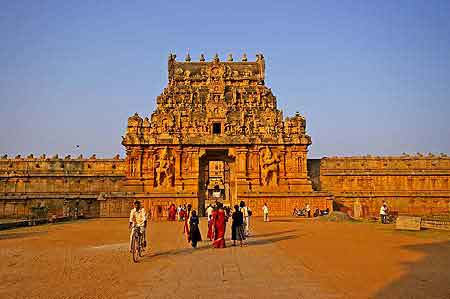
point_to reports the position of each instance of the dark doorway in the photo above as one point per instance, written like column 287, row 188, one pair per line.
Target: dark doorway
column 217, row 128
column 214, row 179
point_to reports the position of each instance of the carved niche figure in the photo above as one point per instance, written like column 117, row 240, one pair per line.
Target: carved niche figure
column 269, row 167
column 165, row 169
column 133, row 167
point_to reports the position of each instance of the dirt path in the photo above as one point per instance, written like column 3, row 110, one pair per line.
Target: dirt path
column 288, row 258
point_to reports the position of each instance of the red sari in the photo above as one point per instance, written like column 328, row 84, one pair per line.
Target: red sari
column 172, row 212
column 210, row 228
column 219, row 222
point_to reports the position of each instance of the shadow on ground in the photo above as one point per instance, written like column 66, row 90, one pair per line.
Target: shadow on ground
column 185, row 251
column 274, row 233
column 427, row 278
column 17, row 235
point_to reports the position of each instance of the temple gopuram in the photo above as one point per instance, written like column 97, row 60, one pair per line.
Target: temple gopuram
column 217, row 135
column 219, row 114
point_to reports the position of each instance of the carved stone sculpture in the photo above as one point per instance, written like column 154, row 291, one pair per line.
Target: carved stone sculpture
column 269, row 167
column 165, row 169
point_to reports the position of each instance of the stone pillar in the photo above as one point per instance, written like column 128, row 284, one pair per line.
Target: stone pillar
column 241, row 169
column 178, row 168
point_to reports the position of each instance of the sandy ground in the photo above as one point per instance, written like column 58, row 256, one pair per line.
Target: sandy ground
column 285, row 258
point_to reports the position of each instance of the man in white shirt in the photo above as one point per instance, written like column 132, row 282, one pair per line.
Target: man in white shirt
column 266, row 212
column 138, row 220
column 178, row 213
column 383, row 213
column 308, row 211
column 246, row 215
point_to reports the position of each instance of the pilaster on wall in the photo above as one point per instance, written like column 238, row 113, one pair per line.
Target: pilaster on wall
column 242, row 170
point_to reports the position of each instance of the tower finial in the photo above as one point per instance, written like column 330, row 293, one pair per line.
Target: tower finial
column 188, row 57
column 244, row 57
column 202, row 57
column 216, row 58
column 230, row 57
column 172, row 57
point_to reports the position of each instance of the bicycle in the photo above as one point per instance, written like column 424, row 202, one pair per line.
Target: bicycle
column 300, row 213
column 137, row 244
column 391, row 219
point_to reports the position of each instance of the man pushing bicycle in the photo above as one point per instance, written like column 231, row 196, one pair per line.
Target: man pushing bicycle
column 138, row 220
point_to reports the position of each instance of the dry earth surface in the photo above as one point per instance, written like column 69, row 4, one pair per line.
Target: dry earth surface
column 285, row 258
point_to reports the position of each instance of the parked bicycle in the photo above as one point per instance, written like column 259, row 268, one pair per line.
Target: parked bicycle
column 299, row 212
column 391, row 219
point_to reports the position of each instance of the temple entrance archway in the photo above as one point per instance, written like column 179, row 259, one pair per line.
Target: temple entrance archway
column 216, row 179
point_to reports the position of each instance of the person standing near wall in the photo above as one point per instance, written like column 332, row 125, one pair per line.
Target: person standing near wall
column 246, row 215
column 383, row 213
column 266, row 212
column 237, row 226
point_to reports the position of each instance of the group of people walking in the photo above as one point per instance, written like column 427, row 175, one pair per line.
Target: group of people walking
column 218, row 216
column 177, row 213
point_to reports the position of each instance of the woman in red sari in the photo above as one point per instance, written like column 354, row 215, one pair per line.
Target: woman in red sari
column 172, row 212
column 219, row 222
column 210, row 227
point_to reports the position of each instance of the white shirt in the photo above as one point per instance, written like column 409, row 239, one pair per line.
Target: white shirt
column 209, row 211
column 244, row 211
column 383, row 210
column 138, row 218
column 265, row 209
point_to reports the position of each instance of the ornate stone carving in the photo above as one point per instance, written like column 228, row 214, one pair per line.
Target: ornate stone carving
column 201, row 95
column 164, row 169
column 269, row 167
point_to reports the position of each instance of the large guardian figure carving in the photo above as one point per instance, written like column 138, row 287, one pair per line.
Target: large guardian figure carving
column 165, row 169
column 269, row 167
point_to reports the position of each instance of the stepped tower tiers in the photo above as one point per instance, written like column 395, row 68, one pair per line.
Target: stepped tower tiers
column 217, row 111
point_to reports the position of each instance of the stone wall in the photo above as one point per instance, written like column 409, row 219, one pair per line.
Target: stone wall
column 119, row 204
column 283, row 204
column 413, row 185
column 59, row 184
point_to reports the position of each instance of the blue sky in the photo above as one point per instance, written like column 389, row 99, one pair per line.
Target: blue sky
column 371, row 77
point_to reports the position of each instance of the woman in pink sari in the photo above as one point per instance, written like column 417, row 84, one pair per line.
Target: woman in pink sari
column 219, row 222
column 186, row 223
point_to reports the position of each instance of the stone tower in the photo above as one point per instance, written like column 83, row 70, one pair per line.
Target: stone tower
column 218, row 111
